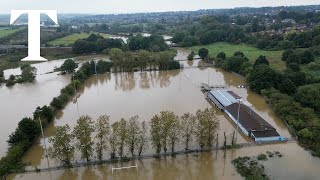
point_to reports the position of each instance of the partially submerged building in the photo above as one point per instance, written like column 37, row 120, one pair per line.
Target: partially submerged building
column 250, row 123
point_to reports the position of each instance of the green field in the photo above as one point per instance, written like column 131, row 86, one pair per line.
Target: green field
column 69, row 40
column 252, row 53
column 6, row 32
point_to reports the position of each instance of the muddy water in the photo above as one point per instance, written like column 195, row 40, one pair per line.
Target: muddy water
column 296, row 164
column 49, row 66
column 146, row 94
column 21, row 100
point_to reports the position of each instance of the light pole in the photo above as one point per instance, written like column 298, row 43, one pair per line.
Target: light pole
column 239, row 102
column 208, row 77
column 76, row 95
column 44, row 140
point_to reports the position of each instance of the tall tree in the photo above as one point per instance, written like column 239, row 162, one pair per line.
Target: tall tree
column 133, row 133
column 28, row 73
column 261, row 60
column 142, row 141
column 82, row 132
column 156, row 133
column 222, row 55
column 102, row 127
column 187, row 128
column 174, row 131
column 69, row 66
column 206, row 127
column 167, row 120
column 113, row 140
column 122, row 134
column 62, row 148
column 203, row 53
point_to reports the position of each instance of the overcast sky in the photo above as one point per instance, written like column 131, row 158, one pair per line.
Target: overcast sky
column 132, row 6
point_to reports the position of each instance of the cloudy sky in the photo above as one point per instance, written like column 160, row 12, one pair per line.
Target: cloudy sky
column 132, row 6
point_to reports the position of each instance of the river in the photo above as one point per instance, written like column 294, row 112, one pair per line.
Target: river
column 146, row 94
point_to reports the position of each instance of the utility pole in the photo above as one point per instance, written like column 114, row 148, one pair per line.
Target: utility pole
column 208, row 77
column 75, row 92
column 239, row 102
column 44, row 140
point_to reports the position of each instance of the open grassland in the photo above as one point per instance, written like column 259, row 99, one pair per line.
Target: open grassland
column 6, row 32
column 274, row 57
column 69, row 40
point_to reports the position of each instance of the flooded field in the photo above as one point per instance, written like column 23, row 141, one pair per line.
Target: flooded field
column 146, row 94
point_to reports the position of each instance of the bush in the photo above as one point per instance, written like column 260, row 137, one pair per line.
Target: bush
column 262, row 157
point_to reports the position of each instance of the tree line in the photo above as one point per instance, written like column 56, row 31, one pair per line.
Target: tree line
column 95, row 43
column 127, row 61
column 132, row 136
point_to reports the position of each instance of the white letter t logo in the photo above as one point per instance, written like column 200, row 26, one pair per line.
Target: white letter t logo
column 34, row 30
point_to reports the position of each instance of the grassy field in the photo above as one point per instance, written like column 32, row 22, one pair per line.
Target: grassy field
column 6, row 32
column 69, row 40
column 252, row 53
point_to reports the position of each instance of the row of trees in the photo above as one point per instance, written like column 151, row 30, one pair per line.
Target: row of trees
column 95, row 43
column 153, row 43
column 142, row 60
column 163, row 132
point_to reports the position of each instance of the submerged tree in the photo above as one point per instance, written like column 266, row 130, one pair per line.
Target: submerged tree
column 102, row 127
column 82, row 131
column 167, row 119
column 187, row 128
column 174, row 131
column 133, row 132
column 62, row 149
column 142, row 140
column 69, row 66
column 113, row 139
column 207, row 125
column 120, row 130
column 156, row 133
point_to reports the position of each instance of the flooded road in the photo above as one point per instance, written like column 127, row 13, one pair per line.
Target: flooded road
column 146, row 94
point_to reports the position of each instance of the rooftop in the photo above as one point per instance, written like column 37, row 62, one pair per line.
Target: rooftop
column 225, row 97
column 250, row 119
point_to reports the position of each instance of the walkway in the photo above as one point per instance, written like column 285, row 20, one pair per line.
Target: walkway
column 151, row 156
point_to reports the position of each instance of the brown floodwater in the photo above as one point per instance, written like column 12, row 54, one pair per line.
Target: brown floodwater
column 21, row 100
column 146, row 94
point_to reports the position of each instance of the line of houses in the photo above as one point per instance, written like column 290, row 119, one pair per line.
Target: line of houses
column 249, row 122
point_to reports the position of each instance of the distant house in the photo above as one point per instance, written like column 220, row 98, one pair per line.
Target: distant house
column 250, row 123
column 289, row 21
